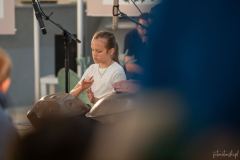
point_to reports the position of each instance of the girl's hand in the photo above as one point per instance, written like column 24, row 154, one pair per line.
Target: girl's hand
column 91, row 96
column 86, row 83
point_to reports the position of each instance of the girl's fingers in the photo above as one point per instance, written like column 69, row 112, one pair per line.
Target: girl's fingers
column 91, row 78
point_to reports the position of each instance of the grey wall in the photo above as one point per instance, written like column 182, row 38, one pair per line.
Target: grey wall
column 20, row 48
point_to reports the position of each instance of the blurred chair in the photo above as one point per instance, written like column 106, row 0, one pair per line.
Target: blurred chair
column 73, row 80
column 84, row 62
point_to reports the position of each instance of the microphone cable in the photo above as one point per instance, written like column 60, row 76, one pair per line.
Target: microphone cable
column 137, row 7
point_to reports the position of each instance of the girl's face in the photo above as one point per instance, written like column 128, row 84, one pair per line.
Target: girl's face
column 100, row 53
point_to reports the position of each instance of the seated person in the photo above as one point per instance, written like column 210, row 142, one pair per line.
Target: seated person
column 134, row 45
column 100, row 76
column 8, row 133
column 5, row 79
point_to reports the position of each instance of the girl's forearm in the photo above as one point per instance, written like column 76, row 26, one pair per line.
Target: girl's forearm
column 76, row 91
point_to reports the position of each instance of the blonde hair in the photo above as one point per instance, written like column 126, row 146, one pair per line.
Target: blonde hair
column 5, row 65
column 111, row 42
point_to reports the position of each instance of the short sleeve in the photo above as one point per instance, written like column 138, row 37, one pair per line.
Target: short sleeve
column 87, row 73
column 119, row 76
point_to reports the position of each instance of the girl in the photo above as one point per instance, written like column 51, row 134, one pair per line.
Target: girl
column 100, row 77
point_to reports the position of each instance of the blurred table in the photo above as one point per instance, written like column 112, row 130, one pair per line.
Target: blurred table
column 48, row 84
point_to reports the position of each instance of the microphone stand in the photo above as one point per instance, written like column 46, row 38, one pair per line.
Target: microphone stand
column 68, row 38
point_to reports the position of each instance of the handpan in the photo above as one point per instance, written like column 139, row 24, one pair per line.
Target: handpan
column 58, row 105
column 109, row 108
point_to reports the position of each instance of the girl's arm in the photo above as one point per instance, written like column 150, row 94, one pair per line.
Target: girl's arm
column 85, row 84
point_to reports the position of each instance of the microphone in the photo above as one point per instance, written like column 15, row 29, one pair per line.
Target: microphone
column 39, row 17
column 115, row 14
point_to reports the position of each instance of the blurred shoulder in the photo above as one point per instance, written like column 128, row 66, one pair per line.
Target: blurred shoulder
column 93, row 66
column 117, row 68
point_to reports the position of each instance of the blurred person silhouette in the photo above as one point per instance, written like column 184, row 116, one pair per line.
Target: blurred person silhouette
column 190, row 55
column 8, row 137
column 100, row 76
column 135, row 41
column 135, row 44
column 59, row 138
column 194, row 52
column 5, row 79
column 8, row 133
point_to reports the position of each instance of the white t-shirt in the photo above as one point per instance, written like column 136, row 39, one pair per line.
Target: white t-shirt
column 104, row 78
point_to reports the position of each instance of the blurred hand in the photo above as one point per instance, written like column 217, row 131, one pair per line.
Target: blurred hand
column 86, row 83
column 126, row 86
column 131, row 66
column 91, row 96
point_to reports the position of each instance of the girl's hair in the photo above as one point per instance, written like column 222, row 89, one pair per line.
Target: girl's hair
column 111, row 42
column 5, row 65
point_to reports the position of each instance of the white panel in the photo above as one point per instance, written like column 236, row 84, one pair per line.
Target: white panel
column 1, row 8
column 36, row 38
column 7, row 17
column 122, row 2
column 103, row 8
